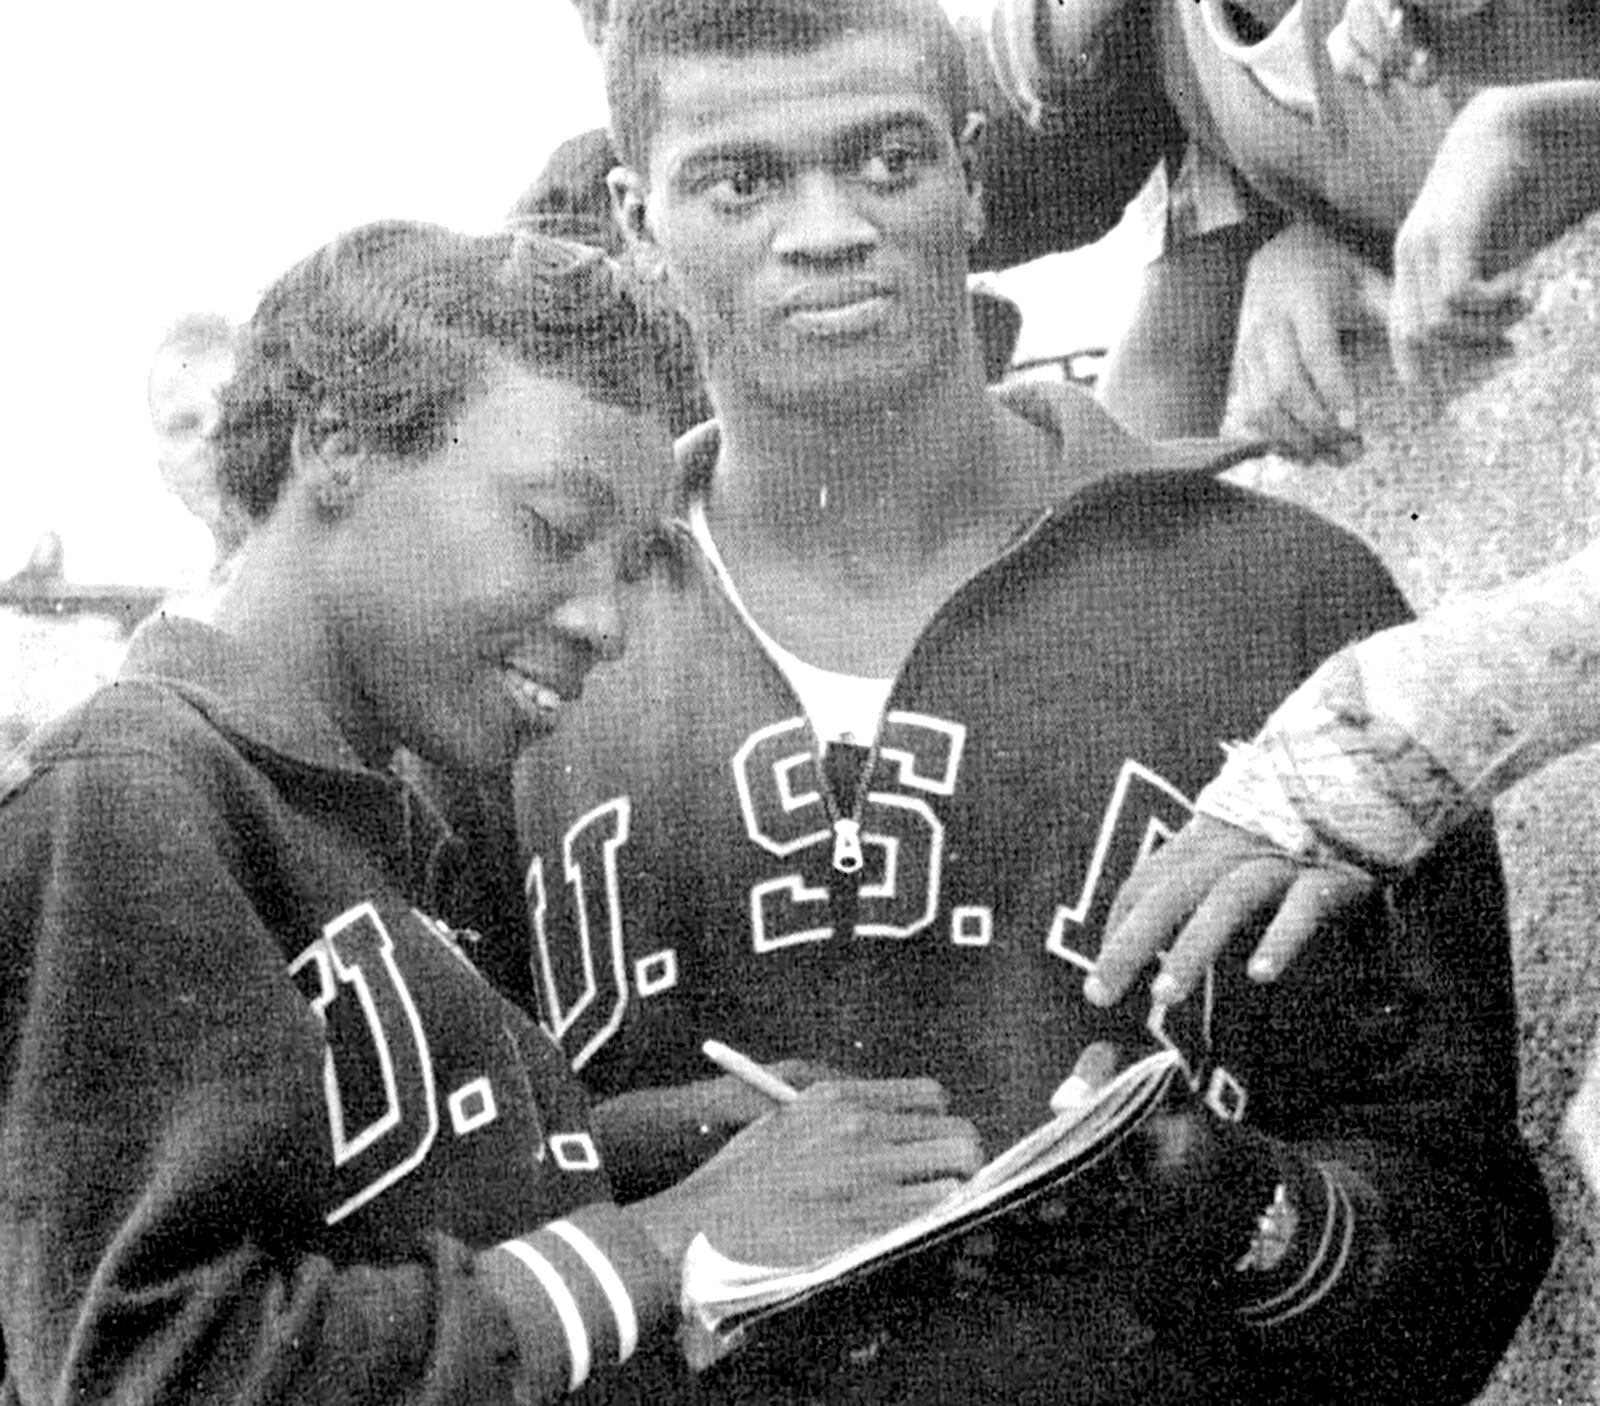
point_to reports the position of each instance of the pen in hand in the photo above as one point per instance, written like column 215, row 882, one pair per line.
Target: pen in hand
column 746, row 1069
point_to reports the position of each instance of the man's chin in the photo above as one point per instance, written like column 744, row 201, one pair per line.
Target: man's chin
column 846, row 386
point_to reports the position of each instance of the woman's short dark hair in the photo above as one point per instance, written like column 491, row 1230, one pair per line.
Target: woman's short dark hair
column 645, row 34
column 389, row 331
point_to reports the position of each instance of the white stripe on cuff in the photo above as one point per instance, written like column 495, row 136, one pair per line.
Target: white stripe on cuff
column 1319, row 1276
column 610, row 1282
column 565, row 1305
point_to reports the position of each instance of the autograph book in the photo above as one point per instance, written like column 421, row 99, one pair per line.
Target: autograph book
column 723, row 1298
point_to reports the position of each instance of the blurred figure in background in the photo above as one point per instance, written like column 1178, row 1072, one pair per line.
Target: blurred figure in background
column 193, row 362
column 1286, row 175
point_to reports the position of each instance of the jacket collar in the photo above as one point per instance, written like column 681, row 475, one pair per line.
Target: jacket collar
column 1093, row 445
column 291, row 737
column 240, row 692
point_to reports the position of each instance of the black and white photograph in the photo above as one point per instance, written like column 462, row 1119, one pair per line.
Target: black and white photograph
column 802, row 702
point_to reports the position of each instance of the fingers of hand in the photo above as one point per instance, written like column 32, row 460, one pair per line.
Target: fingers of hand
column 1317, row 392
column 1161, row 895
column 726, row 1101
column 1411, row 303
column 905, row 1199
column 1293, row 389
column 1316, row 898
column 1349, row 60
column 833, row 1149
column 1483, row 327
column 1133, row 940
column 1236, row 901
column 1498, row 299
column 1333, row 398
column 1443, row 301
column 911, row 1144
column 803, row 1073
column 1358, row 42
column 1093, row 1069
column 920, row 1156
column 911, row 1095
column 946, row 1141
column 1376, row 41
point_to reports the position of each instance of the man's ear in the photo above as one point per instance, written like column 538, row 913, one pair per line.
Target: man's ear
column 330, row 465
column 970, row 147
column 628, row 209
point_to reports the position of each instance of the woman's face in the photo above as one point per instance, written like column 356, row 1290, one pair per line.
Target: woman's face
column 473, row 590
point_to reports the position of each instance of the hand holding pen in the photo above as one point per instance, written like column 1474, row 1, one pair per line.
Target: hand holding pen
column 745, row 1069
column 835, row 1163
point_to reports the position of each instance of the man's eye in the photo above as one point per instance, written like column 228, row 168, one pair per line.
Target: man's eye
column 741, row 184
column 891, row 163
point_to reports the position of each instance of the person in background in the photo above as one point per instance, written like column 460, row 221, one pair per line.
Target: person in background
column 1519, row 164
column 268, row 1133
column 1294, row 194
column 925, row 667
column 190, row 367
column 1459, row 707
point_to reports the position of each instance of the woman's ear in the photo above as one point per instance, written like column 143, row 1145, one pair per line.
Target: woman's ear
column 629, row 207
column 331, row 466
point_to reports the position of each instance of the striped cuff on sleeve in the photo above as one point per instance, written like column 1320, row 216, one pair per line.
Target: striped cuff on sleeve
column 1304, row 1248
column 582, row 1293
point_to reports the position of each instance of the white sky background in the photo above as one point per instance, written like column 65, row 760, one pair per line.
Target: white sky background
column 177, row 155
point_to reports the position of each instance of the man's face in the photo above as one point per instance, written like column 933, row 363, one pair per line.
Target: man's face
column 183, row 412
column 812, row 213
column 476, row 588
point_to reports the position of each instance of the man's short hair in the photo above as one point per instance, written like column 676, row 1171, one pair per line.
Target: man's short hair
column 645, row 34
column 389, row 331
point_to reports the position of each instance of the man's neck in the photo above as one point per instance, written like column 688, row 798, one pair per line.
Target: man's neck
column 873, row 489
column 845, row 534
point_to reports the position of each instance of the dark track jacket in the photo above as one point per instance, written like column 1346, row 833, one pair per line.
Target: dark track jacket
column 267, row 1135
column 1046, row 729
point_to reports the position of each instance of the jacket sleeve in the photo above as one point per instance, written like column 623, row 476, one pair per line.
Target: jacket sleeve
column 1400, row 735
column 1374, row 1225
column 155, row 1236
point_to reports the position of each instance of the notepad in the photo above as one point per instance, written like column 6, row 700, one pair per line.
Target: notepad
column 724, row 1298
